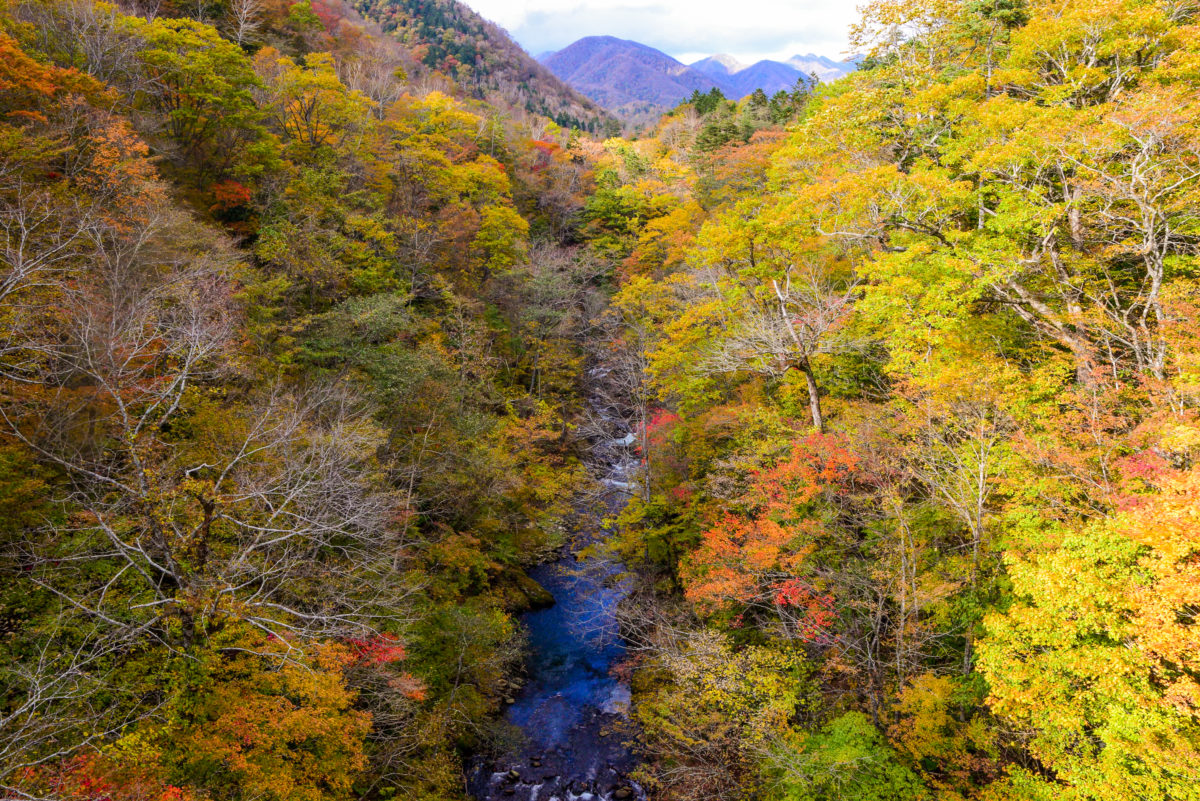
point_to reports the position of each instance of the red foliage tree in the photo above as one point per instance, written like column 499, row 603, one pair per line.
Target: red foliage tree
column 760, row 558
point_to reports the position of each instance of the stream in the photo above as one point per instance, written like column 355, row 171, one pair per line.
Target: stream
column 573, row 710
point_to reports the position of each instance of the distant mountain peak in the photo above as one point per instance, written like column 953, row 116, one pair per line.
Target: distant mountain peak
column 823, row 67
column 723, row 62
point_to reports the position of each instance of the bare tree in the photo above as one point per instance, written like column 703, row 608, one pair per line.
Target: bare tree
column 202, row 9
column 167, row 539
column 622, row 396
column 243, row 20
column 41, row 239
column 378, row 72
column 770, row 334
column 87, row 35
column 959, row 455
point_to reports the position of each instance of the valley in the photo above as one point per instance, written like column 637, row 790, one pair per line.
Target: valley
column 388, row 414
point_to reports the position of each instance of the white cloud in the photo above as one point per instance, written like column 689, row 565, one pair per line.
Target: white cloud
column 747, row 29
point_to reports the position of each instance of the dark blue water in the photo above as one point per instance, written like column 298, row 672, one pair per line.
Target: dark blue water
column 573, row 710
column 574, row 648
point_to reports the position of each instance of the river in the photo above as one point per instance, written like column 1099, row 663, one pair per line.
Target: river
column 573, row 709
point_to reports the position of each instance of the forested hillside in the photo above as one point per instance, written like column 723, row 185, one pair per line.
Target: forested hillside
column 284, row 406
column 919, row 517
column 295, row 341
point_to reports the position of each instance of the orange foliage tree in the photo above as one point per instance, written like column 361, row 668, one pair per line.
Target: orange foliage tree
column 760, row 557
column 276, row 730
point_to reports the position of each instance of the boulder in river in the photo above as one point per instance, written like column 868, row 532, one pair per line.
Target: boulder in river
column 520, row 593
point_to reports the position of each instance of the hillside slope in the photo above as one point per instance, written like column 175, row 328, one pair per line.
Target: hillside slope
column 447, row 36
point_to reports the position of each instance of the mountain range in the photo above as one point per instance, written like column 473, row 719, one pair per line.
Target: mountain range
column 771, row 76
column 624, row 76
column 618, row 73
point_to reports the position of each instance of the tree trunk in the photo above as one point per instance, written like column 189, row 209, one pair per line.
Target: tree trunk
column 814, row 395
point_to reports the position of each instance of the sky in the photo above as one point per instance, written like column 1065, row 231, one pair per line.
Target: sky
column 689, row 30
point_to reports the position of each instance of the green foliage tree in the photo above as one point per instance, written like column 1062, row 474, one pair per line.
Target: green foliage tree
column 847, row 758
column 201, row 85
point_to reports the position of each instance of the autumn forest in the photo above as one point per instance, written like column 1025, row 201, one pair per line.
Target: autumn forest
column 322, row 322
